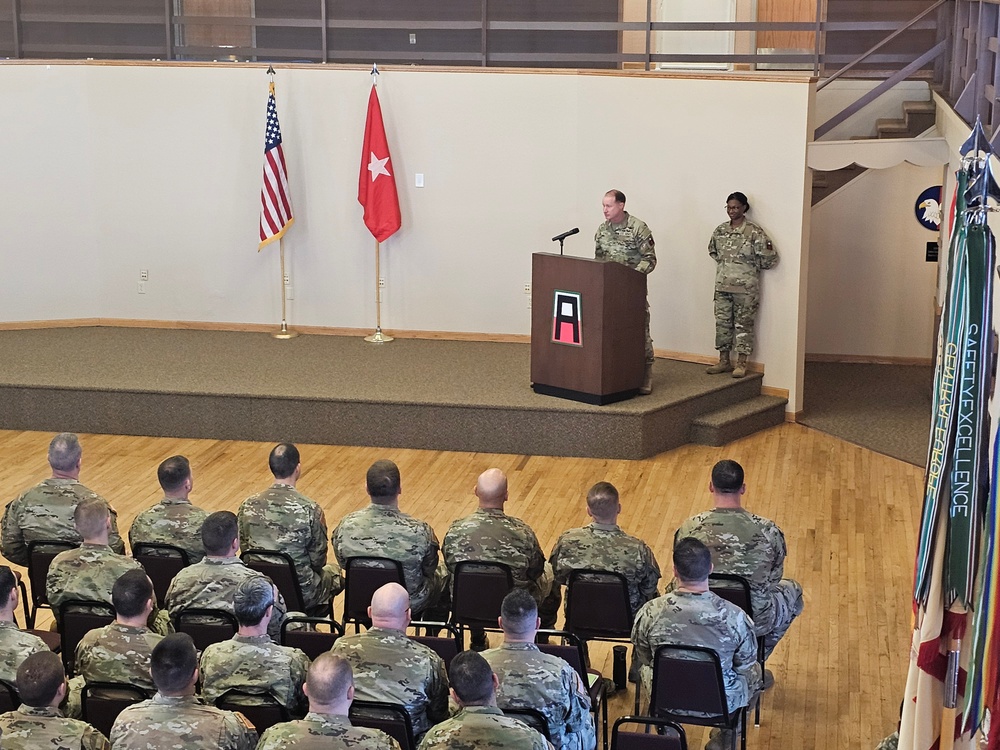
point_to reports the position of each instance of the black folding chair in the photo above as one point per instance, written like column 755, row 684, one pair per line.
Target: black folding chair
column 161, row 563
column 478, row 590
column 364, row 576
column 598, row 606
column 101, row 702
column 391, row 718
column 571, row 651
column 280, row 568
column 78, row 617
column 312, row 640
column 261, row 709
column 736, row 590
column 447, row 647
column 41, row 552
column 668, row 735
column 9, row 699
column 205, row 626
column 533, row 718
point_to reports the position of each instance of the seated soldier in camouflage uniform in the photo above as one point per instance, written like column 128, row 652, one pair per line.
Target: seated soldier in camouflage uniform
column 747, row 545
column 38, row 722
column 282, row 518
column 46, row 510
column 174, row 718
column 531, row 679
column 15, row 644
column 479, row 723
column 330, row 687
column 490, row 535
column 212, row 583
column 173, row 520
column 89, row 572
column 382, row 530
column 119, row 652
column 691, row 615
column 392, row 668
column 250, row 660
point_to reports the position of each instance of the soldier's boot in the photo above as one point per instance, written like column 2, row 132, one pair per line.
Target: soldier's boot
column 724, row 365
column 721, row 739
column 479, row 640
column 647, row 381
column 768, row 680
column 740, row 371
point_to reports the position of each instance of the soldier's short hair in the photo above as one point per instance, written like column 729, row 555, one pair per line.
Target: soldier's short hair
column 8, row 581
column 519, row 611
column 251, row 599
column 738, row 196
column 382, row 481
column 90, row 516
column 619, row 196
column 131, row 592
column 39, row 678
column 328, row 678
column 173, row 662
column 727, row 476
column 218, row 532
column 65, row 451
column 692, row 559
column 471, row 678
column 173, row 472
column 602, row 499
column 283, row 460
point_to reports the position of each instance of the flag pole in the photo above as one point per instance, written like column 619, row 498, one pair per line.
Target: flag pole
column 284, row 332
column 378, row 337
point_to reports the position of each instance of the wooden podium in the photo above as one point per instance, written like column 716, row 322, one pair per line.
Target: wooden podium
column 588, row 324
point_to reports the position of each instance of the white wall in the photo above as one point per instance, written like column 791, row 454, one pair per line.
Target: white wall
column 113, row 168
column 871, row 294
column 836, row 97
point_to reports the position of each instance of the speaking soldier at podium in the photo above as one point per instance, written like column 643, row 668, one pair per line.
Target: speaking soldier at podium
column 624, row 239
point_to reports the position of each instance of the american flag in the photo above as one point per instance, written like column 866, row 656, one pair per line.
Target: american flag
column 275, row 200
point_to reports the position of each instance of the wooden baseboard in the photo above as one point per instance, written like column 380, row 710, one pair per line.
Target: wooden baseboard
column 869, row 359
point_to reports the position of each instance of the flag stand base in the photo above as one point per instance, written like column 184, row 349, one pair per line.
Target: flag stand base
column 284, row 332
column 378, row 337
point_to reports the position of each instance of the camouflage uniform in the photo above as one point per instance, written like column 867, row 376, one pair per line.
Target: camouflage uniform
column 87, row 572
column 324, row 732
column 384, row 531
column 483, row 728
column 30, row 728
column 211, row 584
column 747, row 545
column 741, row 253
column 491, row 535
column 114, row 653
column 257, row 665
column 531, row 679
column 173, row 520
column 282, row 518
column 180, row 723
column 391, row 668
column 684, row 618
column 602, row 546
column 15, row 646
column 630, row 244
column 46, row 512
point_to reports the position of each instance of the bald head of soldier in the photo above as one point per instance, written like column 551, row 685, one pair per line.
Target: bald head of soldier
column 491, row 489
column 382, row 483
column 220, row 534
column 174, row 476
column 41, row 680
column 603, row 504
column 285, row 463
column 727, row 485
column 8, row 594
column 92, row 519
column 692, row 564
column 329, row 685
column 390, row 607
column 173, row 665
column 133, row 599
column 473, row 682
column 65, row 456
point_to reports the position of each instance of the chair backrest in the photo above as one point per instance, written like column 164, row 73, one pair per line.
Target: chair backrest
column 570, row 650
column 668, row 735
column 365, row 575
column 41, row 552
column 101, row 702
column 447, row 647
column 29, row 621
column 688, row 686
column 161, row 563
column 732, row 588
column 313, row 641
column 206, row 626
column 78, row 617
column 478, row 591
column 602, row 609
column 391, row 718
column 533, row 718
column 261, row 709
column 280, row 568
column 9, row 699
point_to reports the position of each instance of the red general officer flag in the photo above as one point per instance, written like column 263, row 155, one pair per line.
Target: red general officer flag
column 377, row 183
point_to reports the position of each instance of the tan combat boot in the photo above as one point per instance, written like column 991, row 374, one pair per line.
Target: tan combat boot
column 741, row 366
column 724, row 364
column 647, row 382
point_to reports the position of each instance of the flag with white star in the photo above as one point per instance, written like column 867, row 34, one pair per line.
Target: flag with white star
column 377, row 182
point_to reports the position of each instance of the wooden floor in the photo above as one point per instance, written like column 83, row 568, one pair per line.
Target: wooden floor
column 850, row 519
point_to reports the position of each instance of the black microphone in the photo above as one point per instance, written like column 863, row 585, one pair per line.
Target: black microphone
column 564, row 235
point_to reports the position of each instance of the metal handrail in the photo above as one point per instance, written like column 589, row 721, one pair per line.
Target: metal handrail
column 858, row 60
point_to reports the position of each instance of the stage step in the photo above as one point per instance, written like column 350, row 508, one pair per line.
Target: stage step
column 738, row 420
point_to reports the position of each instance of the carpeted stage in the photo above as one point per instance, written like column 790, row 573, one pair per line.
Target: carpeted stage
column 410, row 393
